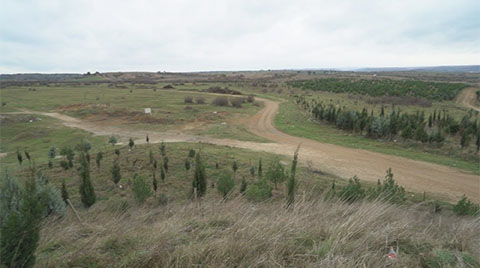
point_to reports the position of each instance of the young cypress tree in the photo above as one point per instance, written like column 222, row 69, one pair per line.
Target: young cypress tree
column 147, row 139
column 252, row 170
column 154, row 183
column 64, row 192
column 163, row 149
column 234, row 168
column 243, row 185
column 98, row 159
column 162, row 173
column 116, row 175
column 87, row 192
column 200, row 177
column 20, row 233
column 165, row 163
column 260, row 174
column 292, row 184
column 19, row 157
column 131, row 143
column 187, row 164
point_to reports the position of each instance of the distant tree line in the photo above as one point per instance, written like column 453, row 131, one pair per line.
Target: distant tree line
column 384, row 87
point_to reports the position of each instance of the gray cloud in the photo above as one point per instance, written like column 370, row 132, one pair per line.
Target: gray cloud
column 80, row 36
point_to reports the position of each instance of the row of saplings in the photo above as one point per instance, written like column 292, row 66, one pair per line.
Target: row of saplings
column 22, row 207
column 415, row 126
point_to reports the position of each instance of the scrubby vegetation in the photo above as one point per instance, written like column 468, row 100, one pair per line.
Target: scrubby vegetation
column 384, row 87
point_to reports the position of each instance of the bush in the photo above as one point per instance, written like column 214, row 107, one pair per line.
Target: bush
column 250, row 98
column 220, row 101
column 11, row 194
column 141, row 189
column 225, row 184
column 466, row 207
column 188, row 99
column 20, row 232
column 50, row 196
column 236, row 102
column 259, row 191
column 353, row 191
column 200, row 100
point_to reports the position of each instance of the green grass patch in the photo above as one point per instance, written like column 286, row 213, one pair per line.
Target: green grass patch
column 292, row 120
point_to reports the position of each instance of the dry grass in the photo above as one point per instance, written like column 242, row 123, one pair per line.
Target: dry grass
column 238, row 233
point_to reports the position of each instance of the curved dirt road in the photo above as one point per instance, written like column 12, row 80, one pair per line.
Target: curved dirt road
column 468, row 98
column 417, row 176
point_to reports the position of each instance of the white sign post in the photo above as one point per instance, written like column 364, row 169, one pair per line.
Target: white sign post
column 148, row 111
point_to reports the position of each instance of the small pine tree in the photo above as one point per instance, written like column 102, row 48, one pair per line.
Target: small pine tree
column 252, row 170
column 276, row 173
column 147, row 139
column 141, row 189
column 64, row 165
column 225, row 184
column 98, row 159
column 87, row 192
column 116, row 175
column 353, row 191
column 117, row 152
column 64, row 192
column 112, row 140
column 52, row 152
column 466, row 207
column 191, row 153
column 292, row 184
column 216, row 165
column 131, row 143
column 200, row 177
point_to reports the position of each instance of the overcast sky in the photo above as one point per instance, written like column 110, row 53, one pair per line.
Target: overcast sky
column 141, row 35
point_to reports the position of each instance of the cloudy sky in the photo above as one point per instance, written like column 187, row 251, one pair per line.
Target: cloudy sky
column 143, row 35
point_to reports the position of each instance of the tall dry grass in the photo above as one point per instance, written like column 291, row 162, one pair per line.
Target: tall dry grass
column 238, row 233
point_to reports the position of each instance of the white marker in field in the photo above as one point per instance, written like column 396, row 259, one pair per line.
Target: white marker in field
column 148, row 111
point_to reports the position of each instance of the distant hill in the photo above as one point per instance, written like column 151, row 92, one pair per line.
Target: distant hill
column 441, row 69
column 38, row 77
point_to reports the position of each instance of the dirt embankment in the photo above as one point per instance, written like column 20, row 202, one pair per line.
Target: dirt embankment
column 418, row 176
column 468, row 98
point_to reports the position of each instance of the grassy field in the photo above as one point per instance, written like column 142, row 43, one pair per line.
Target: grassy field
column 37, row 134
column 293, row 120
column 124, row 105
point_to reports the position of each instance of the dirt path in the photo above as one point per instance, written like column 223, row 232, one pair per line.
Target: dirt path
column 468, row 98
column 417, row 176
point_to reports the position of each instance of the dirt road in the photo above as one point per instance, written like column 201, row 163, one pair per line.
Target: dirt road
column 416, row 176
column 468, row 98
